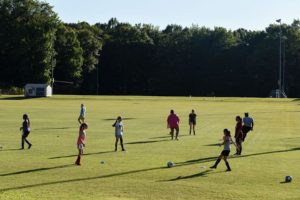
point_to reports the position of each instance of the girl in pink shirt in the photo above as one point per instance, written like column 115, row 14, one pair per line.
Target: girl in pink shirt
column 173, row 123
column 81, row 141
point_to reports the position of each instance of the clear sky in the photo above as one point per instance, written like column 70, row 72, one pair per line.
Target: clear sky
column 231, row 14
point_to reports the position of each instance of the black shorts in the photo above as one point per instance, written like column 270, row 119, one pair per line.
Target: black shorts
column 225, row 153
column 193, row 122
column 25, row 134
column 246, row 129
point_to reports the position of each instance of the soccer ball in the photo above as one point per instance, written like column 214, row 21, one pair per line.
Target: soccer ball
column 288, row 179
column 170, row 164
column 102, row 162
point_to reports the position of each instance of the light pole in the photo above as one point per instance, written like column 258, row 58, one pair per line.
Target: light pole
column 280, row 59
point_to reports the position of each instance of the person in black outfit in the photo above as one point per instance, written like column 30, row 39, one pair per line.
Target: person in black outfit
column 26, row 130
column 192, row 121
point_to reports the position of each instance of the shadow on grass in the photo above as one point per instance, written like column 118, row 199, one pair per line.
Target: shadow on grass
column 54, row 128
column 168, row 136
column 113, row 119
column 10, row 149
column 208, row 159
column 212, row 145
column 200, row 174
column 146, row 142
column 132, row 171
column 36, row 170
column 86, row 154
column 19, row 98
column 80, row 179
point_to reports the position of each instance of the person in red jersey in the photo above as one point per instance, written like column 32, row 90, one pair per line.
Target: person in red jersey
column 173, row 124
column 81, row 142
column 238, row 135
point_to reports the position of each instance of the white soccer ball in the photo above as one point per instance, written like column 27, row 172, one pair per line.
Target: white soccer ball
column 170, row 164
column 288, row 179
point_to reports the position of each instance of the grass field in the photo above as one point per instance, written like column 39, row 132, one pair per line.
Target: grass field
column 46, row 171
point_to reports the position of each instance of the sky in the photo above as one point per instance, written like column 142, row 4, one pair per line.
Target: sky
column 231, row 14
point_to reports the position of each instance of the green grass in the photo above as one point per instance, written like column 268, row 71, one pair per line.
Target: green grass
column 47, row 172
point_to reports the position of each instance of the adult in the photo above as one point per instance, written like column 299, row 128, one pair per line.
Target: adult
column 173, row 124
column 82, row 114
column 192, row 121
column 248, row 125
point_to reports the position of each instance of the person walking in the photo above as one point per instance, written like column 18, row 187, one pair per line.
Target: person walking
column 25, row 131
column 173, row 124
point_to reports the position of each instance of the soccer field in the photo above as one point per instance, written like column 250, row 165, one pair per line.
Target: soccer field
column 47, row 170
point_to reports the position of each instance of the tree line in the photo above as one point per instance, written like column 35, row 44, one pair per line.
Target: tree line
column 118, row 58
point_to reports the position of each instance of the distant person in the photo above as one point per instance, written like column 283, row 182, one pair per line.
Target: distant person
column 25, row 131
column 248, row 125
column 227, row 140
column 82, row 114
column 238, row 135
column 119, row 133
column 81, row 141
column 173, row 124
column 192, row 122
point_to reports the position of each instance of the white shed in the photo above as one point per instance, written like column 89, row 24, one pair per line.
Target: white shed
column 37, row 90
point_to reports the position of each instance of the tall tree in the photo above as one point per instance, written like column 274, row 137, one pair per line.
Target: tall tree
column 26, row 38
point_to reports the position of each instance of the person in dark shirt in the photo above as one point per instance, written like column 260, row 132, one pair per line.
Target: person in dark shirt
column 238, row 135
column 25, row 131
column 192, row 122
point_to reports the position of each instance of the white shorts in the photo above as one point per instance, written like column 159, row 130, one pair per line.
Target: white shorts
column 80, row 146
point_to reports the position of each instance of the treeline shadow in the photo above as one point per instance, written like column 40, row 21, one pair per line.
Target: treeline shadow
column 80, row 179
column 20, row 98
column 36, row 170
column 147, row 141
column 53, row 128
column 189, row 162
column 86, row 154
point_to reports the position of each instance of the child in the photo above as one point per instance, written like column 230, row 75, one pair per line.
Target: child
column 238, row 135
column 173, row 124
column 26, row 130
column 81, row 141
column 82, row 114
column 192, row 121
column 225, row 153
column 119, row 133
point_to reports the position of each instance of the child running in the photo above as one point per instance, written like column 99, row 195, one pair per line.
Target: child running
column 119, row 133
column 25, row 131
column 238, row 135
column 81, row 142
column 227, row 140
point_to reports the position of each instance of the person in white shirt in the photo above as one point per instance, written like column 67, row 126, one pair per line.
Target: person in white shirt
column 119, row 133
column 82, row 114
column 227, row 140
column 248, row 124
